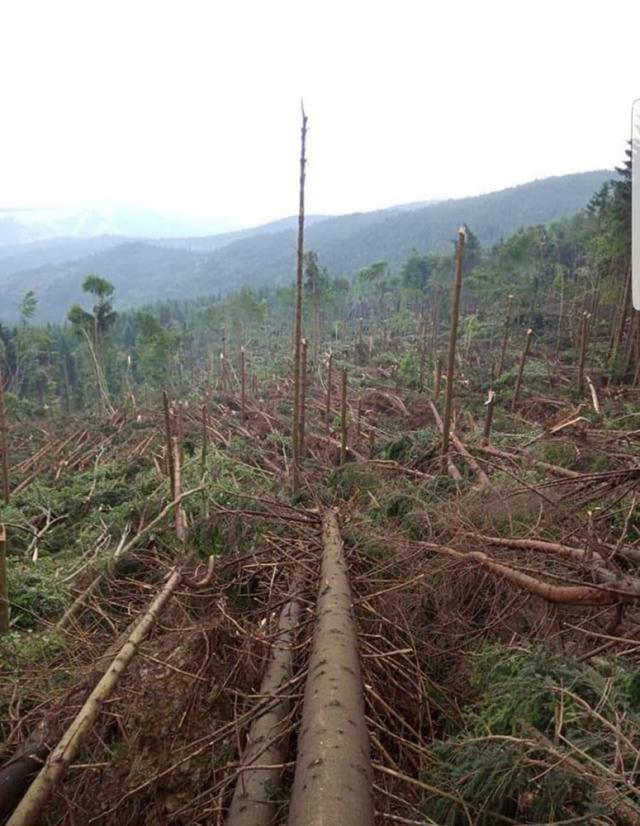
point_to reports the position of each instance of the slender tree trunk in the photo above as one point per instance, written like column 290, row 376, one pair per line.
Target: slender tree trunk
column 297, row 319
column 624, row 309
column 327, row 412
column 505, row 338
column 4, row 587
column 437, row 380
column 343, row 418
column 203, row 461
column 423, row 351
column 28, row 811
column 560, row 317
column 523, row 361
column 584, row 331
column 243, row 385
column 168, row 434
column 303, row 397
column 453, row 337
column 177, row 485
column 4, row 444
column 489, row 404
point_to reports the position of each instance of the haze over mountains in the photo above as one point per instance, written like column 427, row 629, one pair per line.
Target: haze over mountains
column 145, row 267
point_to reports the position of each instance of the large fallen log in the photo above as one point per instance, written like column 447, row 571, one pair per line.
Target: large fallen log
column 30, row 807
column 253, row 801
column 333, row 777
column 556, row 470
column 591, row 561
column 558, row 594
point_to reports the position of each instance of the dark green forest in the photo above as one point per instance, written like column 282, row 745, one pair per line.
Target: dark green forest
column 555, row 272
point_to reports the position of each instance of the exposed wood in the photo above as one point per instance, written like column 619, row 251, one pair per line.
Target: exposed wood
column 523, row 361
column 505, row 337
column 489, row 404
column 343, row 417
column 4, row 586
column 254, row 802
column 4, row 444
column 453, row 338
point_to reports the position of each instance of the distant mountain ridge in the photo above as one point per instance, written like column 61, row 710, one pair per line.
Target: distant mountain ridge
column 18, row 226
column 144, row 271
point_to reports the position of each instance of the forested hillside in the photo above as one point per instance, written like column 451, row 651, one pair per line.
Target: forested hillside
column 143, row 272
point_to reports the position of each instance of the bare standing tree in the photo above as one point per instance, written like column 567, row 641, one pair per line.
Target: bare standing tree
column 297, row 319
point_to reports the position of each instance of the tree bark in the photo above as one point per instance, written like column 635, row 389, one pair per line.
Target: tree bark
column 333, row 778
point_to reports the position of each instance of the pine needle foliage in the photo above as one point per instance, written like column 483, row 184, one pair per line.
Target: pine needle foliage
column 531, row 709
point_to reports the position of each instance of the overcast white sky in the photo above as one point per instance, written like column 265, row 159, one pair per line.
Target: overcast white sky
column 193, row 106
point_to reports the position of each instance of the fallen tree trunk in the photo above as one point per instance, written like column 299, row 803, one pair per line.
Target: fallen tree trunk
column 253, row 801
column 333, row 777
column 30, row 807
column 592, row 561
column 558, row 594
column 556, row 470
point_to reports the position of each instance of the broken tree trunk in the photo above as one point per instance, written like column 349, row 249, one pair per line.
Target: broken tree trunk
column 584, row 332
column 253, row 801
column 452, row 470
column 4, row 591
column 303, row 398
column 243, row 384
column 297, row 318
column 453, row 337
column 489, row 404
column 28, row 811
column 523, row 361
column 179, row 515
column 6, row 490
column 327, row 412
column 333, row 780
column 168, row 433
column 343, row 418
column 505, row 339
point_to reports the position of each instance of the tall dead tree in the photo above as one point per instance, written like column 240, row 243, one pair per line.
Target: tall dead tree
column 523, row 361
column 453, row 338
column 505, row 338
column 303, row 398
column 4, row 444
column 169, row 446
column 327, row 411
column 489, row 404
column 584, row 333
column 343, row 418
column 4, row 588
column 243, row 384
column 297, row 318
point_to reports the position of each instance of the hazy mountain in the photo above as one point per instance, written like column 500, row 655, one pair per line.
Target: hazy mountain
column 24, row 225
column 145, row 271
column 208, row 243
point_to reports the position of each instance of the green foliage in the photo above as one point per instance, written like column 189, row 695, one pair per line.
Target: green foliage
column 36, row 591
column 505, row 763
